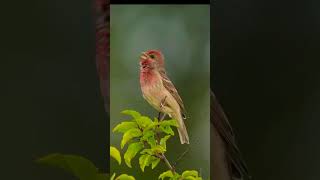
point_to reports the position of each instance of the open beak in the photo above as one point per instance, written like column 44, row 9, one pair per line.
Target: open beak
column 144, row 56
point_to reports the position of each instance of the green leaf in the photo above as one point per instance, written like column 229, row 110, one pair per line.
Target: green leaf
column 152, row 141
column 151, row 126
column 166, row 129
column 132, row 113
column 167, row 174
column 131, row 152
column 192, row 178
column 190, row 173
column 163, row 141
column 149, row 136
column 113, row 176
column 79, row 166
column 115, row 153
column 144, row 161
column 147, row 151
column 155, row 120
column 189, row 178
column 155, row 162
column 158, row 149
column 177, row 176
column 169, row 123
column 125, row 177
column 143, row 121
column 125, row 126
column 127, row 136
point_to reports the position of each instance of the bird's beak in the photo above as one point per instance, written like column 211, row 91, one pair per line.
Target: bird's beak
column 144, row 56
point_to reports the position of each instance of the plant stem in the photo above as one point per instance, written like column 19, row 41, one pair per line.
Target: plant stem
column 164, row 159
column 162, row 156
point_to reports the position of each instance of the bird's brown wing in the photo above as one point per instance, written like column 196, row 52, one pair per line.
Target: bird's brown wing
column 173, row 91
column 237, row 167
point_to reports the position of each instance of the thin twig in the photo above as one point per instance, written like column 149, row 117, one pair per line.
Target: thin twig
column 162, row 156
column 165, row 160
column 181, row 156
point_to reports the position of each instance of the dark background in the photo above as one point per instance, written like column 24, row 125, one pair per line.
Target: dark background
column 51, row 100
column 265, row 73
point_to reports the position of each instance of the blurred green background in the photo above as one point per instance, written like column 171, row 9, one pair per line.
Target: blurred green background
column 182, row 33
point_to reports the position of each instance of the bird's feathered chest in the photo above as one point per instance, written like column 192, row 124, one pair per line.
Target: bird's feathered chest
column 155, row 92
column 152, row 88
column 150, row 79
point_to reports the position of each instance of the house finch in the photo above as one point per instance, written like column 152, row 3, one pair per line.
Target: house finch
column 159, row 92
column 226, row 160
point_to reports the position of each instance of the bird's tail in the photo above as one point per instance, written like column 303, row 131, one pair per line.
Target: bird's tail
column 182, row 130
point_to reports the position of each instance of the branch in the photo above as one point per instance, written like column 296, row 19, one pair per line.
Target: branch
column 165, row 160
column 162, row 156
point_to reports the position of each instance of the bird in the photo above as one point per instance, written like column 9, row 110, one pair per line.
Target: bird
column 158, row 90
column 226, row 160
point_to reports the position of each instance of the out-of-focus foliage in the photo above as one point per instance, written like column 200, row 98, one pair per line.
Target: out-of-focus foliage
column 182, row 33
column 80, row 167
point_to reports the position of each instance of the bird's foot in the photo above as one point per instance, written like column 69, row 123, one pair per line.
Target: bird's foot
column 161, row 116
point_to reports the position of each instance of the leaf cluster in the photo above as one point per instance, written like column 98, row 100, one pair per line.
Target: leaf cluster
column 148, row 138
column 186, row 175
column 144, row 136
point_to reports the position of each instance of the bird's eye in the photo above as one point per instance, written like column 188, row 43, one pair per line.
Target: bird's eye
column 151, row 56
